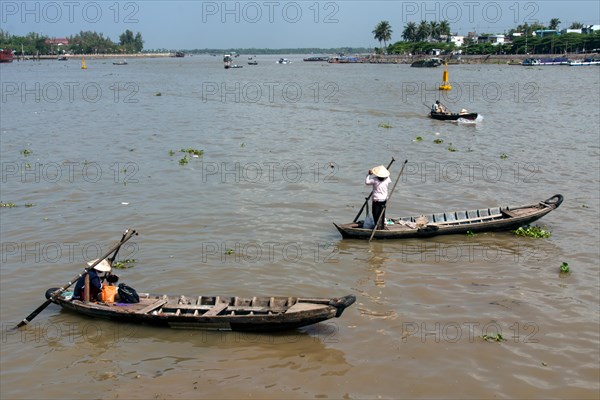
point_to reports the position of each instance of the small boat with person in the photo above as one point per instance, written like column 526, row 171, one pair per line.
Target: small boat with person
column 464, row 114
column 486, row 219
column 237, row 313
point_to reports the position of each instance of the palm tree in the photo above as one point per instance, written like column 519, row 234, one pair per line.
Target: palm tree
column 434, row 30
column 444, row 28
column 383, row 32
column 422, row 31
column 576, row 25
column 554, row 22
column 410, row 32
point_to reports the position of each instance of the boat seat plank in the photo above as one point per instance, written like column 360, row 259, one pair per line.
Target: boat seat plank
column 461, row 215
column 450, row 216
column 495, row 211
column 484, row 212
column 152, row 306
column 216, row 309
column 304, row 307
column 438, row 218
column 472, row 214
column 508, row 213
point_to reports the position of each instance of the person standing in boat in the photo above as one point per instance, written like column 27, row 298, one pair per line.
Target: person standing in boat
column 379, row 178
column 94, row 279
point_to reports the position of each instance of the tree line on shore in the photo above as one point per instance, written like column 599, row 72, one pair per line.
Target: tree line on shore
column 84, row 42
column 422, row 38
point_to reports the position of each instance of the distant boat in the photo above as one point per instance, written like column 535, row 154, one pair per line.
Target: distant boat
column 6, row 55
column 283, row 61
column 427, row 63
column 586, row 61
column 120, row 62
column 83, row 66
column 62, row 58
column 317, row 59
column 179, row 54
column 227, row 61
column 453, row 116
column 546, row 61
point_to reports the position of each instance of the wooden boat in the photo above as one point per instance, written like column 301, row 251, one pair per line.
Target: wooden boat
column 456, row 222
column 427, row 63
column 255, row 314
column 453, row 116
column 6, row 55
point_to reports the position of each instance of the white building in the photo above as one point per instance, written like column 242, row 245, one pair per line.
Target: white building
column 458, row 41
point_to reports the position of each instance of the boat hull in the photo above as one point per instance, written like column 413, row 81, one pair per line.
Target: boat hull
column 253, row 314
column 480, row 220
column 453, row 117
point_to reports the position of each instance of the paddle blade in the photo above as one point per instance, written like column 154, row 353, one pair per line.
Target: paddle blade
column 34, row 314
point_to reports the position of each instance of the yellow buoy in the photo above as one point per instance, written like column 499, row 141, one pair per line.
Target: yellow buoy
column 83, row 66
column 445, row 84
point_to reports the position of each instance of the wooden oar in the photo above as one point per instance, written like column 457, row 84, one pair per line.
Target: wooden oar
column 114, row 256
column 370, row 194
column 389, row 197
column 128, row 234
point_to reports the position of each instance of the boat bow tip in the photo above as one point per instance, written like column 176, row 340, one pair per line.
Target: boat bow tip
column 342, row 303
column 555, row 200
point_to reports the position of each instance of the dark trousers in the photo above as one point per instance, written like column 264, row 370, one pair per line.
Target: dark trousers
column 379, row 209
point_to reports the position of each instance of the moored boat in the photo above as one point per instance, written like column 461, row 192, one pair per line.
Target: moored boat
column 251, row 314
column 455, row 222
column 6, row 55
column 427, row 63
column 453, row 116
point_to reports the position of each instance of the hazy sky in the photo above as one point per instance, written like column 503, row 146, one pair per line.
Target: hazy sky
column 277, row 24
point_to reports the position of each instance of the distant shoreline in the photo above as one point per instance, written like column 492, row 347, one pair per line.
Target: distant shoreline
column 364, row 58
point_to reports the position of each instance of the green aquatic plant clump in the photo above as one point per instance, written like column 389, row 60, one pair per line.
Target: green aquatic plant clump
column 564, row 268
column 128, row 263
column 533, row 232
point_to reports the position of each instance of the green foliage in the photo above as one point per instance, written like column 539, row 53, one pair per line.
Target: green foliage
column 418, row 139
column 532, row 231
column 564, row 268
column 438, row 141
column 503, row 156
column 385, row 125
column 193, row 151
column 471, row 234
column 130, row 43
column 26, row 152
column 383, row 32
column 8, row 205
column 451, row 148
column 493, row 338
column 125, row 264
column 183, row 161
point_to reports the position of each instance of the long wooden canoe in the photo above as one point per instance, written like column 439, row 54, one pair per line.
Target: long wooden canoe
column 455, row 222
column 253, row 314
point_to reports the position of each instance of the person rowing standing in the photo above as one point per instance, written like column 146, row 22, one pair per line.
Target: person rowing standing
column 379, row 178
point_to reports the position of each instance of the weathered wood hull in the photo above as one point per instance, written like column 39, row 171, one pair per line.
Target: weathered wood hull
column 251, row 314
column 453, row 117
column 456, row 222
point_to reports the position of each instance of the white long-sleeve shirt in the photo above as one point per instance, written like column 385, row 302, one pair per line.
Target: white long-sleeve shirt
column 380, row 191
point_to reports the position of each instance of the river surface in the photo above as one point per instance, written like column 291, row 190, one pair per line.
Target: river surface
column 89, row 153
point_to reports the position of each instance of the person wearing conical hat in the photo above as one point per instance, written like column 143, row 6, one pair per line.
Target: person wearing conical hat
column 379, row 178
column 95, row 280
